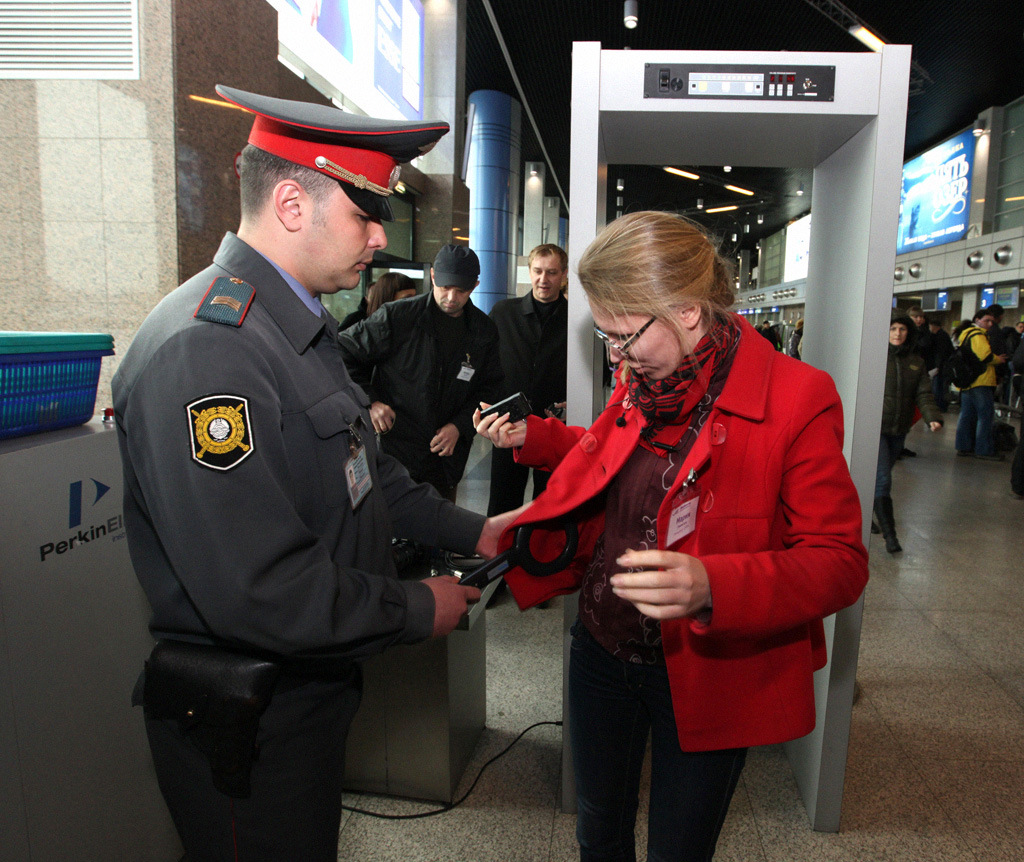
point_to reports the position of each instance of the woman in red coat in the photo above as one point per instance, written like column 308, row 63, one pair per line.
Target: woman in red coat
column 718, row 526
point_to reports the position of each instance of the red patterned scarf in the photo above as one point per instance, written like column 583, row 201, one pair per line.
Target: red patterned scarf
column 671, row 400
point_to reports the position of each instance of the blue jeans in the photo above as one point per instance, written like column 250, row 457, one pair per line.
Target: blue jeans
column 889, row 448
column 974, row 428
column 612, row 707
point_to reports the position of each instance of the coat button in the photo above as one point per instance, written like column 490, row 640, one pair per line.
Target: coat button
column 707, row 502
column 717, row 434
column 588, row 443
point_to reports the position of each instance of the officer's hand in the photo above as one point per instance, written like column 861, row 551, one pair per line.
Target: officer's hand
column 487, row 544
column 382, row 416
column 444, row 440
column 497, row 429
column 664, row 585
column 451, row 602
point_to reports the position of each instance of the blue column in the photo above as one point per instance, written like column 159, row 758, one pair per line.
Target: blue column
column 493, row 180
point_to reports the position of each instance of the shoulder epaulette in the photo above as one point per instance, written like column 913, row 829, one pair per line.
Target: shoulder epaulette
column 227, row 301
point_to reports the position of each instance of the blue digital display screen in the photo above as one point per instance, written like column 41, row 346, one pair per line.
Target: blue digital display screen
column 936, row 195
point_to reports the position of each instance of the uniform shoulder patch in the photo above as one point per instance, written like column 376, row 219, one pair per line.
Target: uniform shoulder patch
column 219, row 431
column 226, row 301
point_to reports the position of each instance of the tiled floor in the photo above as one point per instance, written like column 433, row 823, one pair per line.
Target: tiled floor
column 936, row 760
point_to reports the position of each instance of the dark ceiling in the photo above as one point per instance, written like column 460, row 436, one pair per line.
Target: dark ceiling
column 971, row 53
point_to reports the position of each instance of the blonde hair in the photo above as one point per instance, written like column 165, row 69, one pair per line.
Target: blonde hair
column 653, row 263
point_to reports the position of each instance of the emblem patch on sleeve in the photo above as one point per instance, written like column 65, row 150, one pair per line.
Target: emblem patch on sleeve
column 219, row 431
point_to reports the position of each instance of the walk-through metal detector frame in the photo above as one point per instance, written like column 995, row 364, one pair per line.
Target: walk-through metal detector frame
column 854, row 143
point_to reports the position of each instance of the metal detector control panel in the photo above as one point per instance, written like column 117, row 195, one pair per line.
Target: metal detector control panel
column 767, row 83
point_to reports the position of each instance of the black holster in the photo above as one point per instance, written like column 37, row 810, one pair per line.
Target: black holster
column 217, row 697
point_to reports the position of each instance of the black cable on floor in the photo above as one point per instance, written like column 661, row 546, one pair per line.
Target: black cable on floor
column 464, row 796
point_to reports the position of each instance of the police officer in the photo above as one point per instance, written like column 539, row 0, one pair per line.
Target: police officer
column 259, row 510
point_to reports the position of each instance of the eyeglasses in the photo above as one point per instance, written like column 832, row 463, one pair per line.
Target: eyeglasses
column 628, row 343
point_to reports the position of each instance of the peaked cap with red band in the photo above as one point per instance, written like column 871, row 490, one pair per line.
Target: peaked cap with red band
column 362, row 153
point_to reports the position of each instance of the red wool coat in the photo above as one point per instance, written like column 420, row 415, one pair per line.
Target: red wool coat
column 778, row 529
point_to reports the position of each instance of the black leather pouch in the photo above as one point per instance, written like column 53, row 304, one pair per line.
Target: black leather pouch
column 217, row 697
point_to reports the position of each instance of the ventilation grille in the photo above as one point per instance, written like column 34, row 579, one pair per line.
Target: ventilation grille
column 71, row 39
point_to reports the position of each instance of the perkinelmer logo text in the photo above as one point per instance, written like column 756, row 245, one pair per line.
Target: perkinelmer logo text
column 83, row 535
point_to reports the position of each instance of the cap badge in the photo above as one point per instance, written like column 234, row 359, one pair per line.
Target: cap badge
column 358, row 180
column 219, row 431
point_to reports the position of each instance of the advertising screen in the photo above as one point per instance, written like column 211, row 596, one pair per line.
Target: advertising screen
column 936, row 195
column 371, row 51
column 798, row 245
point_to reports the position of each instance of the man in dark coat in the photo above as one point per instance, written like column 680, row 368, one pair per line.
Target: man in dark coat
column 426, row 364
column 943, row 348
column 532, row 330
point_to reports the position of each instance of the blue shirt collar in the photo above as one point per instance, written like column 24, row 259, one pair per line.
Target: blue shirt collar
column 311, row 302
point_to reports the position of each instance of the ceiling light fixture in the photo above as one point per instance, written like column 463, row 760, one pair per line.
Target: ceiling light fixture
column 760, row 218
column 681, row 173
column 800, row 191
column 727, row 168
column 722, row 209
column 620, row 185
column 863, row 35
column 700, row 203
column 980, row 127
column 740, row 191
column 630, row 14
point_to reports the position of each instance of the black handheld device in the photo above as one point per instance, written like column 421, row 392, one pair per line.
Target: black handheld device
column 517, row 406
column 520, row 555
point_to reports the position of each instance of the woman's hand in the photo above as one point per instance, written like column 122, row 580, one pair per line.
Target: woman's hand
column 497, row 429
column 935, row 426
column 668, row 585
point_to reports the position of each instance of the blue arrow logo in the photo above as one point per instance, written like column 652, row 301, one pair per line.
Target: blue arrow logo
column 75, row 500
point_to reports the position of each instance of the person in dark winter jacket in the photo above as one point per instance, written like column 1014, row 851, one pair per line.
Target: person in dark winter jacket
column 943, row 350
column 387, row 288
column 426, row 363
column 907, row 385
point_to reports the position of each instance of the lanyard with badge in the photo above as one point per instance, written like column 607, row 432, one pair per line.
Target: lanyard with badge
column 683, row 518
column 466, row 371
column 357, row 470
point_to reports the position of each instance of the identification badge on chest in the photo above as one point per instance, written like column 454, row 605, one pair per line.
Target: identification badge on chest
column 683, row 518
column 466, row 371
column 357, row 471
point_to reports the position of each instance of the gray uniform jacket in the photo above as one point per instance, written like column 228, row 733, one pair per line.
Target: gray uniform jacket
column 234, row 442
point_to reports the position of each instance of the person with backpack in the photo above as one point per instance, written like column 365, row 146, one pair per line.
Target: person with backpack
column 977, row 399
column 907, row 385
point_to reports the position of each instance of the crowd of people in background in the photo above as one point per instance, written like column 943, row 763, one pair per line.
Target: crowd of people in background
column 918, row 386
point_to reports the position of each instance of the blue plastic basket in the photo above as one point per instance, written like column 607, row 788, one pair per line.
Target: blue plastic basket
column 47, row 390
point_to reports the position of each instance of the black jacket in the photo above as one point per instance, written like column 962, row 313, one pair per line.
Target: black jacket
column 394, row 355
column 533, row 354
column 943, row 346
